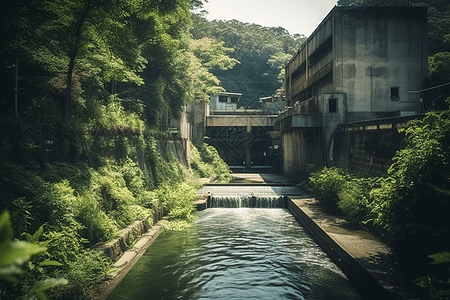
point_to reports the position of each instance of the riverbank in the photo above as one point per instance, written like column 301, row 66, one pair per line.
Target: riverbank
column 126, row 261
column 367, row 262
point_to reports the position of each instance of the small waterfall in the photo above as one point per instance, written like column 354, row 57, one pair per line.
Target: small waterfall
column 251, row 201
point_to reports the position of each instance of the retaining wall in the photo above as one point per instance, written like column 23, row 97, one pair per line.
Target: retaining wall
column 365, row 282
column 301, row 147
column 369, row 146
column 115, row 248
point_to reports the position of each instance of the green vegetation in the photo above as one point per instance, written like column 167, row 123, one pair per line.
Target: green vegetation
column 88, row 150
column 20, row 255
column 206, row 162
column 408, row 208
column 262, row 53
column 81, row 206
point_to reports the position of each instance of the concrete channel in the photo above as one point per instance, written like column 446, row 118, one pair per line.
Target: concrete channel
column 368, row 263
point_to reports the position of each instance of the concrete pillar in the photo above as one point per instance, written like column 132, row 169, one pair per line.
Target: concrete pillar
column 248, row 156
column 209, row 201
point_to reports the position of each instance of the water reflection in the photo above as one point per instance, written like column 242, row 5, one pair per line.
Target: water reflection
column 236, row 254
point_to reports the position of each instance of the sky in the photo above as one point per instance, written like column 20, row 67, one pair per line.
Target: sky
column 297, row 16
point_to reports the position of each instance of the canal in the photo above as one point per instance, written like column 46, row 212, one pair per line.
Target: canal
column 240, row 253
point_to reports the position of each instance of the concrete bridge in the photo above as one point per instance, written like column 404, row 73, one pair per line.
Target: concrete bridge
column 245, row 139
column 293, row 143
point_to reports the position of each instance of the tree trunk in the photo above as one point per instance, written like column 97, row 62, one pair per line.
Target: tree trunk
column 67, row 101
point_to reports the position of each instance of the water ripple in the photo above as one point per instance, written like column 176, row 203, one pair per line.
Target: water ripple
column 236, row 254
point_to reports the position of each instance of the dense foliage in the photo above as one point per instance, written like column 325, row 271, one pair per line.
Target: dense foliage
column 409, row 208
column 88, row 89
column 81, row 206
column 262, row 53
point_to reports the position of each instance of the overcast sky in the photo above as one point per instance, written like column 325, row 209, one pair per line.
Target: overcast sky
column 297, row 16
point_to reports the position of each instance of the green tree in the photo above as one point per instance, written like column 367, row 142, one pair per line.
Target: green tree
column 258, row 50
column 412, row 203
column 206, row 55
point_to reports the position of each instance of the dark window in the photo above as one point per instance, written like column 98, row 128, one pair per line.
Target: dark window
column 332, row 105
column 234, row 99
column 223, row 98
column 323, row 49
column 300, row 70
column 395, row 93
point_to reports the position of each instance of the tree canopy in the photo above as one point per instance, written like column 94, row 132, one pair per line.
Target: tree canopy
column 262, row 52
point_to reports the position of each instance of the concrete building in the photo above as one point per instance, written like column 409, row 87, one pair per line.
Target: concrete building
column 359, row 64
column 224, row 102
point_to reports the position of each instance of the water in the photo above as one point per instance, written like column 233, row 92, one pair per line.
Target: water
column 236, row 254
column 238, row 201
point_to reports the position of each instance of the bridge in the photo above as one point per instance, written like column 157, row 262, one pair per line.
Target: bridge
column 245, row 139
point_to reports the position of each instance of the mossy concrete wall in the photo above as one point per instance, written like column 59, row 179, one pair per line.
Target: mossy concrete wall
column 129, row 235
column 369, row 146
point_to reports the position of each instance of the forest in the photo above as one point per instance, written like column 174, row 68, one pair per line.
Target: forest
column 89, row 87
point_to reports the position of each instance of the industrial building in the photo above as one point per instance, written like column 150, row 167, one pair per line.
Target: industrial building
column 361, row 63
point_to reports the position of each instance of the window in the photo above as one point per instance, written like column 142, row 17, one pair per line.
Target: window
column 395, row 95
column 332, row 105
column 223, row 99
column 234, row 99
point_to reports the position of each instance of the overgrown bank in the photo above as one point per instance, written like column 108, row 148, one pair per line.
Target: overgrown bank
column 409, row 208
column 89, row 88
column 79, row 205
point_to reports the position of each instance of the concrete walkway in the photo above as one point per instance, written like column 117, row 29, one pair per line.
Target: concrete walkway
column 366, row 261
column 369, row 263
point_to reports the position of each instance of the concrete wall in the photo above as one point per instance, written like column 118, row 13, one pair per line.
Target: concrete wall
column 301, row 147
column 369, row 146
column 196, row 117
column 376, row 49
column 363, row 52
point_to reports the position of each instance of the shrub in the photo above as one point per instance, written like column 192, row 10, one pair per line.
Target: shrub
column 98, row 226
column 88, row 268
column 178, row 200
column 206, row 162
column 135, row 180
column 412, row 204
column 115, row 199
column 381, row 202
column 77, row 174
column 354, row 199
column 328, row 183
column 200, row 167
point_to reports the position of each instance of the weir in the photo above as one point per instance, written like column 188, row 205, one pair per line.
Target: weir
column 251, row 201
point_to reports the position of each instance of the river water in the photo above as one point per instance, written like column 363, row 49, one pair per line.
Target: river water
column 236, row 254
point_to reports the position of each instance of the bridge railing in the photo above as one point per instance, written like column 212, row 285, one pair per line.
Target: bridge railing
column 379, row 124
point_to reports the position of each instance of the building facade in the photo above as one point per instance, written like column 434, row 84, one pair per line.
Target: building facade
column 359, row 64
